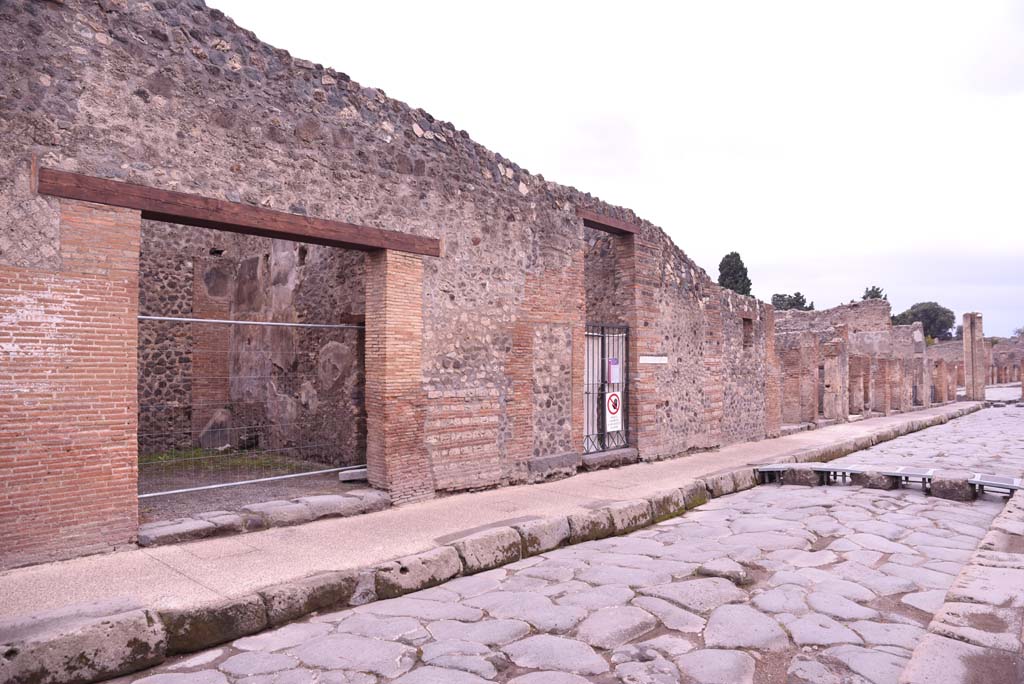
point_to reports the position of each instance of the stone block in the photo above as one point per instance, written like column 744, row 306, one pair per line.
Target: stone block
column 953, row 486
column 174, row 531
column 694, row 494
column 590, row 525
column 874, row 480
column 720, row 485
column 373, row 499
column 489, row 549
column 332, row 505
column 628, row 516
column 280, row 513
column 940, row 660
column 543, row 535
column 981, row 625
column 366, row 588
column 227, row 522
column 801, row 475
column 416, row 572
column 290, row 600
column 553, row 467
column 744, row 479
column 80, row 644
column 610, row 459
column 195, row 628
column 668, row 504
column 358, row 475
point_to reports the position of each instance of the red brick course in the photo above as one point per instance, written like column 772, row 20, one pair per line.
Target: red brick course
column 68, row 393
column 396, row 453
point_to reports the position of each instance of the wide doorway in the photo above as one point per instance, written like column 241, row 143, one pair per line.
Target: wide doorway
column 251, row 369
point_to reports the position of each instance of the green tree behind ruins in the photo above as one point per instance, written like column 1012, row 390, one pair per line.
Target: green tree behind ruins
column 938, row 321
column 796, row 301
column 874, row 292
column 732, row 273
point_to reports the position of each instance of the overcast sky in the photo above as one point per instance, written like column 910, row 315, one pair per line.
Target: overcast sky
column 835, row 145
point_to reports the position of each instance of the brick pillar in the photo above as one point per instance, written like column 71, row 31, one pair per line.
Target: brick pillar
column 773, row 377
column 974, row 357
column 856, row 400
column 896, row 382
column 836, row 359
column 714, row 364
column 940, row 379
column 810, row 360
column 638, row 265
column 68, row 392
column 396, row 454
column 880, row 389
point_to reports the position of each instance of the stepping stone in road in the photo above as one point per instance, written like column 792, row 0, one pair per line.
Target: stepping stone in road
column 611, row 627
column 556, row 653
column 700, row 595
column 820, row 630
column 715, row 666
column 740, row 626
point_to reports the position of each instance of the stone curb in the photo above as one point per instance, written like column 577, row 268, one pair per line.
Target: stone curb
column 185, row 630
column 260, row 516
column 976, row 621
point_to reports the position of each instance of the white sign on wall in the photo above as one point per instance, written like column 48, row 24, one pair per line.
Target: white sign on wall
column 613, row 412
column 614, row 371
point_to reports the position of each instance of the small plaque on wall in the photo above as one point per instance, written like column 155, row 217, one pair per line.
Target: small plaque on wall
column 654, row 359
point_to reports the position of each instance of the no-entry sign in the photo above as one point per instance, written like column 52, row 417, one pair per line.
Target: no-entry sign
column 613, row 412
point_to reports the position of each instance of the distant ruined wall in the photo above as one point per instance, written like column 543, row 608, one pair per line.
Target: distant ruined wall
column 1008, row 358
column 870, row 315
column 866, row 364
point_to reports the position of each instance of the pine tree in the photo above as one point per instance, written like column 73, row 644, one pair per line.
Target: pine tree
column 732, row 273
column 874, row 292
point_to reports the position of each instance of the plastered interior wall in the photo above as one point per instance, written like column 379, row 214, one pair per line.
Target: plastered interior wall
column 207, row 385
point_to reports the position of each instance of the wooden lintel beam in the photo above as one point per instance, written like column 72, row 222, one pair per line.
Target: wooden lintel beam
column 608, row 224
column 207, row 212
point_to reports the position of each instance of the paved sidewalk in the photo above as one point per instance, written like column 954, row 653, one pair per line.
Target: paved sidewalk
column 210, row 570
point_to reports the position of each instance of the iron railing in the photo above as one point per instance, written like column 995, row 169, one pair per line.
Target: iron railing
column 221, row 404
column 606, row 387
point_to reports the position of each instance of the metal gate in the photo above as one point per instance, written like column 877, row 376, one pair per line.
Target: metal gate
column 227, row 402
column 606, row 388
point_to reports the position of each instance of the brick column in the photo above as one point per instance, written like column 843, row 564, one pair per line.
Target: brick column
column 773, row 377
column 975, row 368
column 940, row 379
column 396, row 454
column 880, row 390
column 637, row 267
column 68, row 392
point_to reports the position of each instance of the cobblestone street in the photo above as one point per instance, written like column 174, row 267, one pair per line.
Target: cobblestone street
column 831, row 585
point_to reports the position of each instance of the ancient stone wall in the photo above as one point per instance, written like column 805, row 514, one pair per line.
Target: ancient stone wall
column 175, row 96
column 910, row 346
column 870, row 315
column 1008, row 358
column 799, row 355
column 880, row 367
column 952, row 352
